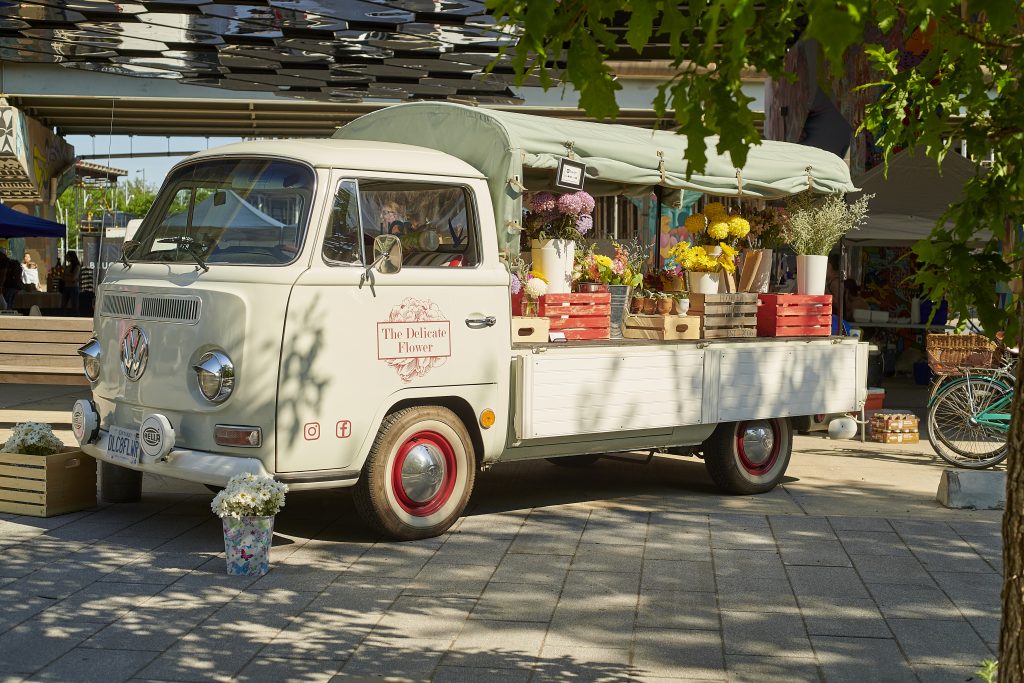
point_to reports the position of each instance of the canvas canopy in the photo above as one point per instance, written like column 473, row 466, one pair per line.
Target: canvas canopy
column 518, row 152
column 16, row 224
column 910, row 199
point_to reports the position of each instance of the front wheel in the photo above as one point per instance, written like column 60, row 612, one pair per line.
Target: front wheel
column 968, row 421
column 749, row 457
column 418, row 474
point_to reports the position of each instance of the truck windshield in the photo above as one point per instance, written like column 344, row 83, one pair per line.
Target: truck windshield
column 233, row 211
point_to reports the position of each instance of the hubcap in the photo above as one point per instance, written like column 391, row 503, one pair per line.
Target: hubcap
column 424, row 473
column 757, row 446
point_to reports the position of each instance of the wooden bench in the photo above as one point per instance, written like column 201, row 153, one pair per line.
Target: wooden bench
column 42, row 350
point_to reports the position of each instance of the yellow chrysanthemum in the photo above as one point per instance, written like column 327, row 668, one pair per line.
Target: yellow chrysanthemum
column 715, row 209
column 718, row 230
column 603, row 260
column 727, row 250
column 738, row 227
column 537, row 275
column 694, row 223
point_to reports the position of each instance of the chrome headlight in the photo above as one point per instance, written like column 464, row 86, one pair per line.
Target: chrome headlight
column 216, row 376
column 90, row 354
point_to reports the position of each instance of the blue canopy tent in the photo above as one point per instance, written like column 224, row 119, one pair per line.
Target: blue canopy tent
column 16, row 224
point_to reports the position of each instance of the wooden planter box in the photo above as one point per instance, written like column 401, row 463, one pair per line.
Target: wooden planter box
column 579, row 315
column 47, row 485
column 661, row 327
column 794, row 315
column 529, row 330
column 725, row 315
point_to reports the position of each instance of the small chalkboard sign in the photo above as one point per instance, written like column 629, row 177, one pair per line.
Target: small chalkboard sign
column 571, row 174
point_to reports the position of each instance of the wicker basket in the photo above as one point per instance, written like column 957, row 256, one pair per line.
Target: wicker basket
column 949, row 353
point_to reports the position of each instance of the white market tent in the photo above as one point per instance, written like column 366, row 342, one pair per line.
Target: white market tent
column 518, row 152
column 908, row 203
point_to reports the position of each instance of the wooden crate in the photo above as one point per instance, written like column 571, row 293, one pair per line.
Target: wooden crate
column 661, row 327
column 794, row 315
column 725, row 315
column 529, row 330
column 580, row 315
column 43, row 486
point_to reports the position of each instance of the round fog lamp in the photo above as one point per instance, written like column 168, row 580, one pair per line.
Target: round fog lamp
column 216, row 376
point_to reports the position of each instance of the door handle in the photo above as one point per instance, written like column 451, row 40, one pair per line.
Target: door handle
column 478, row 323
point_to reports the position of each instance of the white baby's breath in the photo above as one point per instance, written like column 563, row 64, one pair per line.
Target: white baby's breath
column 249, row 495
column 32, row 438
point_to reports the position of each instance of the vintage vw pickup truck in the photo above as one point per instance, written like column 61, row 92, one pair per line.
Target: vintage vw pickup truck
column 265, row 319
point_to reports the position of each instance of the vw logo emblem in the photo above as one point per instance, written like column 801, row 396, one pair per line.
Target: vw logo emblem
column 134, row 353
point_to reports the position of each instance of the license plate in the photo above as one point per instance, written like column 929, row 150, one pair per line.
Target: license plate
column 123, row 445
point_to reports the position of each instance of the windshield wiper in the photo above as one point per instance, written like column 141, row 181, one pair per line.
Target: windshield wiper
column 188, row 244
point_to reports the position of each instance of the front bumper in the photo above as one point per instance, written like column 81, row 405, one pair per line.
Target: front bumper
column 182, row 463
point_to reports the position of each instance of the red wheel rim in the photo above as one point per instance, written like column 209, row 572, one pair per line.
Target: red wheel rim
column 756, row 455
column 432, row 467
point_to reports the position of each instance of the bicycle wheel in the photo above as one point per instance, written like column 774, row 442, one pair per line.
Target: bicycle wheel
column 953, row 431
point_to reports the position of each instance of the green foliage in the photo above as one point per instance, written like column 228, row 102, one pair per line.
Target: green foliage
column 968, row 87
column 989, row 671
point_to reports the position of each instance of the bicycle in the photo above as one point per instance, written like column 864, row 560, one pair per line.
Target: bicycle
column 969, row 409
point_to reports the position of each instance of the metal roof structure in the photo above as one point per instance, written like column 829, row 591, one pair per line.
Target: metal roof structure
column 328, row 50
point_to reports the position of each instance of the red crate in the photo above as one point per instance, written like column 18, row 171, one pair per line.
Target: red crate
column 794, row 315
column 580, row 315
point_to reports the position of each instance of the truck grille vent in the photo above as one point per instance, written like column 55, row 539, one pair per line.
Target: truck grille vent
column 170, row 309
column 119, row 305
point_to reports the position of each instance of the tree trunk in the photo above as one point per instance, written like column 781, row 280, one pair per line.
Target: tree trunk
column 1011, row 641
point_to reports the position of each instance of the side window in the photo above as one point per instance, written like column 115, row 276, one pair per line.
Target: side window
column 343, row 242
column 435, row 222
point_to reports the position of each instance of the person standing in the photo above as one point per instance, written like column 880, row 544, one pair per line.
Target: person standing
column 29, row 274
column 69, row 278
column 11, row 281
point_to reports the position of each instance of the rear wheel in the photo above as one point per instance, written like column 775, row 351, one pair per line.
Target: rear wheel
column 418, row 474
column 956, row 433
column 749, row 457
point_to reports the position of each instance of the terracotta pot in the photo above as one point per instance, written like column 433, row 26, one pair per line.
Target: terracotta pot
column 650, row 306
column 664, row 306
column 636, row 305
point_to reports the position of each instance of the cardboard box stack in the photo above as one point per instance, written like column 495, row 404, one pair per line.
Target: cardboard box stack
column 894, row 426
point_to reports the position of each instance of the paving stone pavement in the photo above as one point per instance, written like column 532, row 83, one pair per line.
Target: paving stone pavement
column 623, row 571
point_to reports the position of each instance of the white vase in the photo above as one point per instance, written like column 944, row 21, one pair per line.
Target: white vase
column 704, row 283
column 763, row 275
column 553, row 259
column 810, row 274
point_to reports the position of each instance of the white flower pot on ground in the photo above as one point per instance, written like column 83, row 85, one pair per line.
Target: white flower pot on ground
column 810, row 274
column 704, row 283
column 553, row 259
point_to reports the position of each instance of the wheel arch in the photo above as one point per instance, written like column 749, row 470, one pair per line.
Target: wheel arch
column 458, row 405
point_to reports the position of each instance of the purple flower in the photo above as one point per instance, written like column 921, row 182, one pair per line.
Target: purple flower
column 588, row 201
column 571, row 204
column 516, row 285
column 584, row 224
column 541, row 202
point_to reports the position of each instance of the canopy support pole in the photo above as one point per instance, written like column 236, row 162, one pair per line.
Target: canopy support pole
column 842, row 284
column 657, row 231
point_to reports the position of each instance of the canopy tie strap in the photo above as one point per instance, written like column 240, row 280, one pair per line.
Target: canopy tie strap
column 516, row 185
column 513, row 226
column 661, row 165
column 739, row 185
column 810, row 181
column 569, row 152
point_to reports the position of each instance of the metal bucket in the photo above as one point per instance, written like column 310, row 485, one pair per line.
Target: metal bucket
column 620, row 301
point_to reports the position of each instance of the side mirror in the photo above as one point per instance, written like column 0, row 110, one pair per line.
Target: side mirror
column 387, row 254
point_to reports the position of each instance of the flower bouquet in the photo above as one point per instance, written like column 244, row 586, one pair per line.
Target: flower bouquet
column 554, row 223
column 40, row 477
column 716, row 225
column 534, row 288
column 814, row 229
column 247, row 508
column 704, row 268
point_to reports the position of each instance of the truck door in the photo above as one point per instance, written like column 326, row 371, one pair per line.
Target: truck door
column 355, row 343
